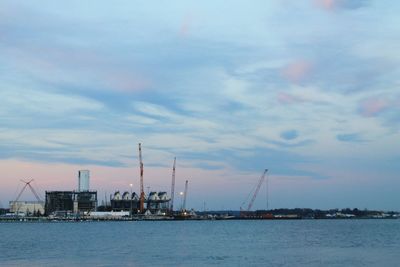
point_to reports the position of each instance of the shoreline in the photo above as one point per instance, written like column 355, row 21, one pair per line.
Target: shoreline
column 78, row 220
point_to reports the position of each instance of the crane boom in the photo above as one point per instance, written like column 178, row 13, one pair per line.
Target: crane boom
column 28, row 184
column 257, row 189
column 173, row 187
column 184, row 196
column 34, row 192
column 141, row 180
column 22, row 190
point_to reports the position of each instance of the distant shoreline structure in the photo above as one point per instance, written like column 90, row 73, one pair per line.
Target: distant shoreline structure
column 276, row 214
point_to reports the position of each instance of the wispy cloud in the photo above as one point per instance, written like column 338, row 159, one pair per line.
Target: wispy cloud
column 297, row 71
column 341, row 4
column 373, row 106
column 351, row 137
column 290, row 134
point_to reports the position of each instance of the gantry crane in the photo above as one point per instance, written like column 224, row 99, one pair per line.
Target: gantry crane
column 171, row 207
column 141, row 206
column 260, row 182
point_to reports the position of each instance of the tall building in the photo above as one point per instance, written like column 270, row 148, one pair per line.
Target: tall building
column 83, row 180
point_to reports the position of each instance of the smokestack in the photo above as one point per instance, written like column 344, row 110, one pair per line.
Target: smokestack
column 83, row 180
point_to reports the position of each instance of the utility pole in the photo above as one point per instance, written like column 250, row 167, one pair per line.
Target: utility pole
column 171, row 207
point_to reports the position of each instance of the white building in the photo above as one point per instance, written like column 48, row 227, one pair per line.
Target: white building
column 27, row 207
column 83, row 177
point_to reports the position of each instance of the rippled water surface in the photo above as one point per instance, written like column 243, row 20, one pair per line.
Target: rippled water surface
column 202, row 243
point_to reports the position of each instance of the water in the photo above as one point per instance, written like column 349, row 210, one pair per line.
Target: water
column 202, row 243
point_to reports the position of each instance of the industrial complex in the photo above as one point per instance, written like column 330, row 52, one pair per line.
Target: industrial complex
column 83, row 202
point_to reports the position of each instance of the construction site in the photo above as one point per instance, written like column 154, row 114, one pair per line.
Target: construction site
column 82, row 203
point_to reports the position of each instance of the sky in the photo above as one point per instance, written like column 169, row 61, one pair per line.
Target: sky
column 307, row 89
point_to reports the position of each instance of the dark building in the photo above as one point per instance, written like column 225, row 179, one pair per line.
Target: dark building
column 70, row 201
column 155, row 202
column 125, row 201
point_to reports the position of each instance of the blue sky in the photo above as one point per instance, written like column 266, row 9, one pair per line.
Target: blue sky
column 308, row 89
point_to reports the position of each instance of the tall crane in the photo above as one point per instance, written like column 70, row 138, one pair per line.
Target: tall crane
column 171, row 207
column 141, row 207
column 28, row 184
column 260, row 182
column 184, row 196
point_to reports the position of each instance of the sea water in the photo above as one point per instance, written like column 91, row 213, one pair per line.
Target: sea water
column 202, row 243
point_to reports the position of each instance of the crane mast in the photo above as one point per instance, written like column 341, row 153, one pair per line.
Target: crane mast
column 173, row 187
column 184, row 196
column 257, row 189
column 141, row 207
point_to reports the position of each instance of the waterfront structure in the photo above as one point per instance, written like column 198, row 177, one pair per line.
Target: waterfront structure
column 81, row 201
column 27, row 207
column 70, row 201
column 83, row 180
column 156, row 202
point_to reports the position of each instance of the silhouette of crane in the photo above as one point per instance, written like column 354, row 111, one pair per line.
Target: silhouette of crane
column 260, row 182
column 28, row 184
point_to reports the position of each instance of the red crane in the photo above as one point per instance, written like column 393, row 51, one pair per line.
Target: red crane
column 171, row 207
column 260, row 182
column 141, row 207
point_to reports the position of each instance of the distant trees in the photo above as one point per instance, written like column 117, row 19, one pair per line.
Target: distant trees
column 320, row 214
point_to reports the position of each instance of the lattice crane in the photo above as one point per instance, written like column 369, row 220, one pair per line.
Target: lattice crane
column 260, row 182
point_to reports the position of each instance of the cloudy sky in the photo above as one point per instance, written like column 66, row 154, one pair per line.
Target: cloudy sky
column 308, row 89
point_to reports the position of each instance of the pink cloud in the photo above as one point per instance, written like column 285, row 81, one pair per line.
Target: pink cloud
column 79, row 66
column 326, row 4
column 373, row 106
column 186, row 26
column 285, row 98
column 126, row 82
column 297, row 71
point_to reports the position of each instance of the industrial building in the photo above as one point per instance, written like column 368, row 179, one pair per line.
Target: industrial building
column 70, row 201
column 156, row 202
column 81, row 201
column 27, row 207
